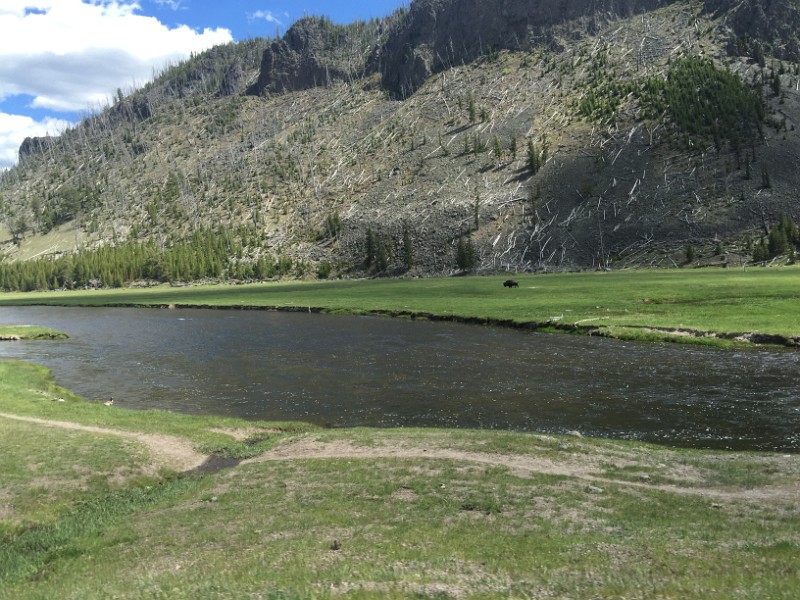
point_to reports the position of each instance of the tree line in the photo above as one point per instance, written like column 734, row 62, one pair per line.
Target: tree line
column 782, row 238
column 208, row 253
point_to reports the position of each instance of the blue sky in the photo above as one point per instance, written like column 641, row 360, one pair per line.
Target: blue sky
column 257, row 18
column 60, row 59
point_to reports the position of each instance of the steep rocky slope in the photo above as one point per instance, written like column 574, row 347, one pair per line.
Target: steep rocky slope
column 549, row 137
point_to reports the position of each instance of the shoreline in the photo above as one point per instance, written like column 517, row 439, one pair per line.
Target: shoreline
column 17, row 333
column 638, row 333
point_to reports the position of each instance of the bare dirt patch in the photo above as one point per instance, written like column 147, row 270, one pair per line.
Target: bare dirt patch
column 178, row 454
column 167, row 451
column 577, row 466
column 241, row 434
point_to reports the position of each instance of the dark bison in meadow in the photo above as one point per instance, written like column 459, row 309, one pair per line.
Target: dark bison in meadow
column 509, row 283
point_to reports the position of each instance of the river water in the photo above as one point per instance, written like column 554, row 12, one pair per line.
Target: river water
column 348, row 371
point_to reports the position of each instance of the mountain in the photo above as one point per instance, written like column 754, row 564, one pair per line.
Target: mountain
column 455, row 134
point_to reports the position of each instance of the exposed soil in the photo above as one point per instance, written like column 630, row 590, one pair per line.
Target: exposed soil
column 177, row 454
column 579, row 466
column 168, row 451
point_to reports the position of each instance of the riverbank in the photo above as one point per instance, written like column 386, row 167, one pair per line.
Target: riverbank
column 102, row 502
column 725, row 308
column 15, row 333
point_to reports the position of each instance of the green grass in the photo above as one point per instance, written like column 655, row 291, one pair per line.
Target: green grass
column 45, row 469
column 415, row 513
column 29, row 332
column 621, row 303
column 28, row 390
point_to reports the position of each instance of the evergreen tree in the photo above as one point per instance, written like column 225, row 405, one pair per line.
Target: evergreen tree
column 408, row 250
column 476, row 209
column 533, row 157
column 370, row 248
column 498, row 149
column 790, row 229
column 472, row 108
column 765, row 180
column 760, row 251
column 777, row 244
column 775, row 84
column 381, row 257
column 465, row 253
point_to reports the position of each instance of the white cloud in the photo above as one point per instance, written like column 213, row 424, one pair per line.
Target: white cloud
column 71, row 55
column 265, row 15
column 15, row 128
column 173, row 4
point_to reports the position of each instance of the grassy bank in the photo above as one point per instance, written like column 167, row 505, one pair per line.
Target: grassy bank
column 99, row 513
column 680, row 305
column 29, row 332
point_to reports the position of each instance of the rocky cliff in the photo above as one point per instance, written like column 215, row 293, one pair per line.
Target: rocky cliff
column 315, row 52
column 772, row 24
column 440, row 34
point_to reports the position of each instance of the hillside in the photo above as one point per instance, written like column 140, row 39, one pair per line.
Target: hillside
column 556, row 135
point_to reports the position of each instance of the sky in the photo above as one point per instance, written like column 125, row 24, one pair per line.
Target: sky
column 62, row 59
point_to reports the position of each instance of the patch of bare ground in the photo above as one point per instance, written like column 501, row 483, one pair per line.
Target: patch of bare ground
column 6, row 506
column 582, row 466
column 241, row 434
column 405, row 494
column 459, row 579
column 168, row 452
column 577, row 461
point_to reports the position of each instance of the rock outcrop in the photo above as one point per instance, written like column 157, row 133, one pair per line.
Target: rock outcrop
column 232, row 81
column 431, row 36
column 307, row 56
column 439, row 34
column 775, row 23
column 34, row 145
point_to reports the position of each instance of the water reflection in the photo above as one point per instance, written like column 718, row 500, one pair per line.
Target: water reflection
column 346, row 371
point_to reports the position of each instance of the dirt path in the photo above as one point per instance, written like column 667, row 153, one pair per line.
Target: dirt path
column 168, row 451
column 520, row 465
column 178, row 454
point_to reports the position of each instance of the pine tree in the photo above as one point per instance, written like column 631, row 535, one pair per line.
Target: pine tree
column 498, row 149
column 777, row 244
column 775, row 84
column 408, row 250
column 465, row 253
column 533, row 157
column 790, row 229
column 472, row 109
column 370, row 248
column 760, row 251
column 381, row 257
column 476, row 209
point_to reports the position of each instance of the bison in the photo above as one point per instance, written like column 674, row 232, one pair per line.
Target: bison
column 510, row 283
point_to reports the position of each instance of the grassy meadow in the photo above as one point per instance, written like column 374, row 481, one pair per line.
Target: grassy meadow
column 628, row 304
column 364, row 513
column 102, row 502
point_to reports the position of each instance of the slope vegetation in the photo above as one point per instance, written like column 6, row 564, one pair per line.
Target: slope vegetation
column 576, row 136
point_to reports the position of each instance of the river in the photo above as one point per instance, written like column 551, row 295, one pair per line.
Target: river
column 342, row 371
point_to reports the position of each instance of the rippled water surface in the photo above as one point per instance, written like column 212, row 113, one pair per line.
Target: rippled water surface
column 346, row 371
